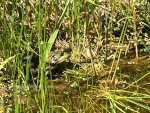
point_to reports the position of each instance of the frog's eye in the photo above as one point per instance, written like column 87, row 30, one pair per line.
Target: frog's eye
column 54, row 59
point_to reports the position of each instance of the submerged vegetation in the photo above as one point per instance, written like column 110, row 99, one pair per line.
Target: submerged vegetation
column 75, row 56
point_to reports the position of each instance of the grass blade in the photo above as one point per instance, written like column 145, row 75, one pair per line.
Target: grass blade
column 5, row 62
column 54, row 34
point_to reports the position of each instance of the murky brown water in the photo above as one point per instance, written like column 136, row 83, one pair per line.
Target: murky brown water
column 76, row 93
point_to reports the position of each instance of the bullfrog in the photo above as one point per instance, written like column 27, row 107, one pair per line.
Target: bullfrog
column 61, row 53
column 56, row 57
column 57, row 63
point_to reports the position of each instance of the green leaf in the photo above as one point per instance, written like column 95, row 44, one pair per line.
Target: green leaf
column 142, row 2
column 5, row 62
column 54, row 34
column 91, row 2
column 63, row 58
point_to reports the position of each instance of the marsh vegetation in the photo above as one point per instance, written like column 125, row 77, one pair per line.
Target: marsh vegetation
column 75, row 56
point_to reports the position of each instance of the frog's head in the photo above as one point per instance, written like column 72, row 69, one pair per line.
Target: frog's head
column 54, row 58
